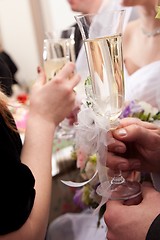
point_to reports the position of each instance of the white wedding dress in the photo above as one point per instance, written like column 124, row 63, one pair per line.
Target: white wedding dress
column 144, row 84
column 77, row 226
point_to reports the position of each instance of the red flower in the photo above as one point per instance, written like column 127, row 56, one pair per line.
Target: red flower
column 22, row 98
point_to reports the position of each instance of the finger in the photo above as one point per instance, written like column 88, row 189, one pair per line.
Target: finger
column 41, row 75
column 112, row 208
column 117, row 147
column 147, row 190
column 137, row 133
column 66, row 71
column 75, row 80
column 147, row 187
column 117, row 162
column 115, row 203
column 129, row 121
column 122, row 163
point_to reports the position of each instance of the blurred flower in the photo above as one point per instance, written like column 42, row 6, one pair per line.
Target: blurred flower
column 81, row 159
column 22, row 98
column 86, row 196
column 142, row 110
column 90, row 167
column 77, row 199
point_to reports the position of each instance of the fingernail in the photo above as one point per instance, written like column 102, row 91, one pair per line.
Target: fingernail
column 122, row 132
column 38, row 69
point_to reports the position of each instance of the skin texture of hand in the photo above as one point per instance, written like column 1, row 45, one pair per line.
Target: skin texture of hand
column 132, row 222
column 136, row 146
column 57, row 93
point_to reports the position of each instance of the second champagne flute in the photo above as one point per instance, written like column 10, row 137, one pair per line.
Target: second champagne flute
column 57, row 51
column 55, row 55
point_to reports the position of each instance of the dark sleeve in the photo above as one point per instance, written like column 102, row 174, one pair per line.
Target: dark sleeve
column 154, row 230
column 9, row 61
column 10, row 69
column 6, row 79
column 16, row 182
column 77, row 38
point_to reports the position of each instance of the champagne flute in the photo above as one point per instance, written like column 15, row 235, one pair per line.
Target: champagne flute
column 57, row 51
column 58, row 48
column 102, row 36
column 69, row 33
column 55, row 55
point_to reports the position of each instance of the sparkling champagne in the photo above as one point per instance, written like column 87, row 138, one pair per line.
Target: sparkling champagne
column 56, row 52
column 105, row 62
column 52, row 66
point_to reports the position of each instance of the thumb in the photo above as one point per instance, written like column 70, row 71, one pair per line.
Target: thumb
column 114, row 203
column 147, row 188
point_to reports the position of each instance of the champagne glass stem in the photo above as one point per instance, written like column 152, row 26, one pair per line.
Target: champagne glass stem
column 118, row 178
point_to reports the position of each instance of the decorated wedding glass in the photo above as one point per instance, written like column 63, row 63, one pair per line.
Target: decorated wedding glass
column 102, row 37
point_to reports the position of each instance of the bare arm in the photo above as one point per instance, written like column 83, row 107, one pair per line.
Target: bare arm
column 50, row 103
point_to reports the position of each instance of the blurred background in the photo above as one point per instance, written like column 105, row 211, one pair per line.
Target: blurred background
column 22, row 29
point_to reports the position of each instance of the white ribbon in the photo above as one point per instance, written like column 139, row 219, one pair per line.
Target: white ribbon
column 92, row 136
column 91, row 132
column 75, row 184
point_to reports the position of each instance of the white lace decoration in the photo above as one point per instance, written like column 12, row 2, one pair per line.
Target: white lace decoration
column 92, row 136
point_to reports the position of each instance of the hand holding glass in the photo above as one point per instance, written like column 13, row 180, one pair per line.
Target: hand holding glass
column 57, row 51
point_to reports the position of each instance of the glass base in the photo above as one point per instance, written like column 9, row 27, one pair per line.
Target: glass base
column 65, row 134
column 124, row 191
column 65, row 130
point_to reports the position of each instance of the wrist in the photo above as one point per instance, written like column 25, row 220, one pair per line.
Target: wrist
column 39, row 124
